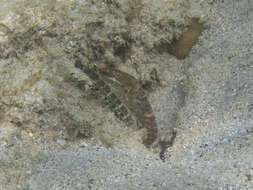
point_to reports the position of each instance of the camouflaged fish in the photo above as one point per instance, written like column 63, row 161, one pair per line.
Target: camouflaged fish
column 129, row 103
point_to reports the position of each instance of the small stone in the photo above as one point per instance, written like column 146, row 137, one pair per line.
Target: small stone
column 60, row 142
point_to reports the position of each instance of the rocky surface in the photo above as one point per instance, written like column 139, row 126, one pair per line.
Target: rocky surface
column 53, row 135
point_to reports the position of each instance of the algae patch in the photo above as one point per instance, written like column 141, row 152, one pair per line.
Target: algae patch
column 181, row 47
